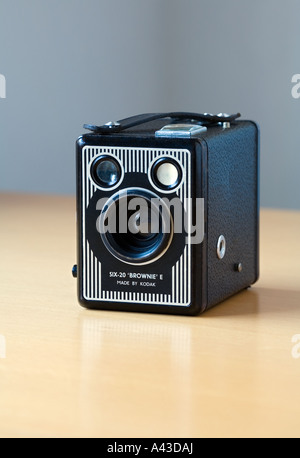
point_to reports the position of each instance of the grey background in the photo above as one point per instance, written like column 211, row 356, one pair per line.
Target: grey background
column 68, row 62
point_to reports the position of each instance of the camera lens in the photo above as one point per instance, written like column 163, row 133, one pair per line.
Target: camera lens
column 136, row 226
column 106, row 171
column 140, row 222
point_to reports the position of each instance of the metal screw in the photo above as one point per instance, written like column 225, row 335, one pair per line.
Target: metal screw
column 112, row 124
column 238, row 267
column 226, row 125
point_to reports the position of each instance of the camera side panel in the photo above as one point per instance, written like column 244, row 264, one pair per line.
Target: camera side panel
column 233, row 208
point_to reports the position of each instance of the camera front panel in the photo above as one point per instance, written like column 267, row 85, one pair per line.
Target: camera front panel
column 135, row 227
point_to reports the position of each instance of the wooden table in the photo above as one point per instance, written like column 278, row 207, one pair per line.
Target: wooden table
column 70, row 372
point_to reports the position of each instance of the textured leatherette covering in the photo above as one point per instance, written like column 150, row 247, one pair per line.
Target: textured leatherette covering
column 232, row 175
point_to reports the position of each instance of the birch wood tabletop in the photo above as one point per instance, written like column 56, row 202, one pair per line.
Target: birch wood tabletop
column 69, row 372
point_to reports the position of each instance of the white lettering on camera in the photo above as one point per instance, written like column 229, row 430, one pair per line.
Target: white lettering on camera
column 296, row 88
column 136, row 276
column 143, row 276
column 2, row 87
column 123, row 283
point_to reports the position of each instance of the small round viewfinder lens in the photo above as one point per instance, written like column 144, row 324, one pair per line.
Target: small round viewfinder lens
column 166, row 174
column 106, row 171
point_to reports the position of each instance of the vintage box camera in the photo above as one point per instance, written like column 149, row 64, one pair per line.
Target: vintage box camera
column 167, row 212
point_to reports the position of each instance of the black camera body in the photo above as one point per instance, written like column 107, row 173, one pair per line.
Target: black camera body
column 195, row 177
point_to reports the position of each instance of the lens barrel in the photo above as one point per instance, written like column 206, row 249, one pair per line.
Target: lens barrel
column 136, row 226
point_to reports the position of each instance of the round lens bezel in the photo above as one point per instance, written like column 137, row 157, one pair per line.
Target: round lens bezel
column 157, row 248
column 153, row 174
column 97, row 181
